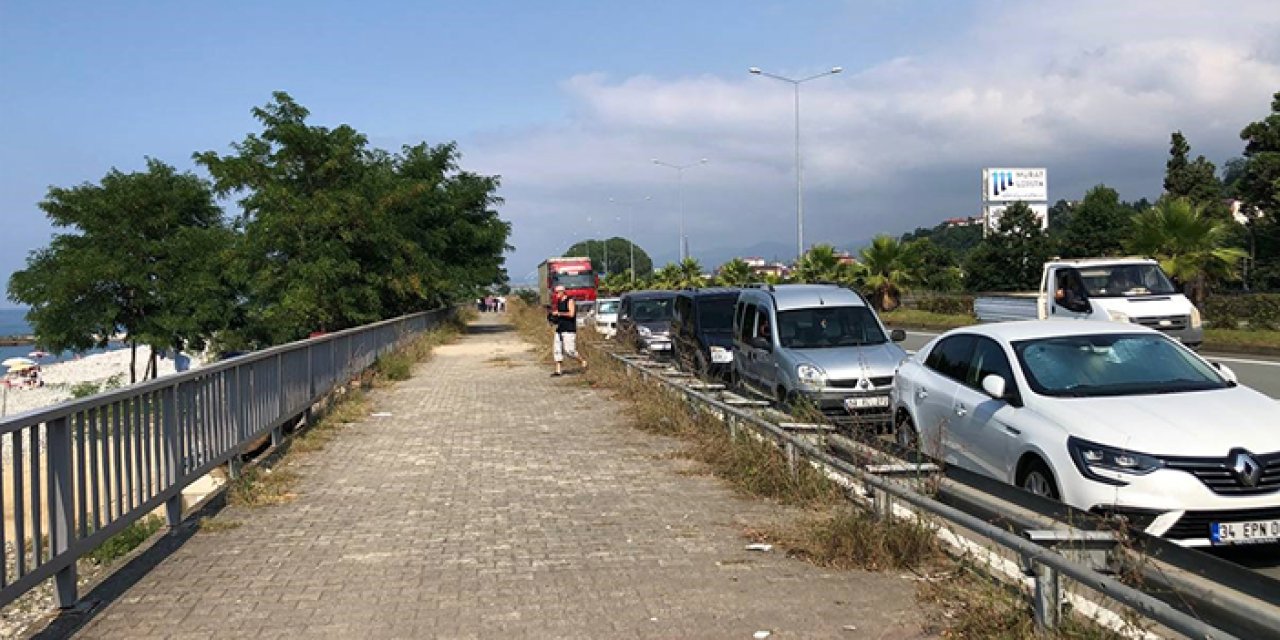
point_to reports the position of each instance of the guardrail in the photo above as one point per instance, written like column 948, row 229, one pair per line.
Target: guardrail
column 77, row 473
column 1044, row 564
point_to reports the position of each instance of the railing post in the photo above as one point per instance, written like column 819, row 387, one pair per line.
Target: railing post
column 59, row 462
column 172, row 456
column 883, row 503
column 1048, row 598
column 793, row 460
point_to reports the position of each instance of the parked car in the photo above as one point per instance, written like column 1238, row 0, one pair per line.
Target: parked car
column 822, row 343
column 606, row 316
column 644, row 321
column 702, row 330
column 1114, row 419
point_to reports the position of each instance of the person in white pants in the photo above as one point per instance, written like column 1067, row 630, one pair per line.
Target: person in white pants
column 564, row 315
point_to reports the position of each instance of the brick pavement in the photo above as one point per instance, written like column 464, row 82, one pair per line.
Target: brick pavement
column 496, row 501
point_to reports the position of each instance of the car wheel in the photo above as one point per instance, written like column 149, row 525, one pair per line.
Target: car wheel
column 1038, row 479
column 904, row 431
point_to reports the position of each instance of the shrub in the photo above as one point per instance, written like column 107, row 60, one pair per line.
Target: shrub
column 1252, row 311
column 127, row 540
column 950, row 305
column 83, row 389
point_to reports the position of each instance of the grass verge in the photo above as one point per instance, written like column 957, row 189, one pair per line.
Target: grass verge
column 913, row 318
column 127, row 540
column 1240, row 339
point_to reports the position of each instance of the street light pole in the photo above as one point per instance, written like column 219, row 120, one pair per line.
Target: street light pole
column 795, row 84
column 631, row 237
column 684, row 241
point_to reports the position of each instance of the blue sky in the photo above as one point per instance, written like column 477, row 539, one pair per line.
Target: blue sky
column 569, row 101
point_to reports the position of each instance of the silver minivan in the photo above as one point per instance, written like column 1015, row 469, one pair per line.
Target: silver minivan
column 818, row 342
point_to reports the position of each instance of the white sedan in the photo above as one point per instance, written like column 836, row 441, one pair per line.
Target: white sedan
column 1110, row 418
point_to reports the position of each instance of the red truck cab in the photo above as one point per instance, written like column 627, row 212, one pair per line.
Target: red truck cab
column 574, row 274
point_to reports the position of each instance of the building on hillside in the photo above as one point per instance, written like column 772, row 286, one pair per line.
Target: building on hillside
column 844, row 257
column 761, row 267
column 963, row 222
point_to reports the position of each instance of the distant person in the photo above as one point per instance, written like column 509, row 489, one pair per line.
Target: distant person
column 502, row 303
column 564, row 316
column 181, row 361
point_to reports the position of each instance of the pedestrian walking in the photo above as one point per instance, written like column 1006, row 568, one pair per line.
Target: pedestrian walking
column 564, row 315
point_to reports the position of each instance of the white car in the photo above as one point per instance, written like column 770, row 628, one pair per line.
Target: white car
column 606, row 316
column 1114, row 419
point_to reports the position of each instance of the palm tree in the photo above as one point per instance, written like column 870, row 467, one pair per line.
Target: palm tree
column 690, row 274
column 735, row 273
column 885, row 272
column 617, row 283
column 822, row 264
column 1191, row 247
column 668, row 277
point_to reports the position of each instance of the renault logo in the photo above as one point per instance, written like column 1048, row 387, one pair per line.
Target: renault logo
column 1246, row 468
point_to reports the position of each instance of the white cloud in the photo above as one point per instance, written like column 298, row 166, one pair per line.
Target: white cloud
column 1089, row 89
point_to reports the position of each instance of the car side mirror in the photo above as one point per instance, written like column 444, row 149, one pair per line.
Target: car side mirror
column 994, row 385
column 897, row 335
column 1227, row 373
column 760, row 342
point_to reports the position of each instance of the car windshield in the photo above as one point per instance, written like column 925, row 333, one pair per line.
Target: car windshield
column 715, row 315
column 606, row 307
column 652, row 310
column 822, row 327
column 1125, row 280
column 1112, row 364
column 575, row 280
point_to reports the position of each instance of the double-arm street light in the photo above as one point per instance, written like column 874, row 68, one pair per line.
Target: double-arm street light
column 684, row 248
column 795, row 83
column 631, row 229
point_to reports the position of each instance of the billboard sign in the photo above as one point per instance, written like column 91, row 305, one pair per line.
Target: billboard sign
column 1009, row 185
column 991, row 216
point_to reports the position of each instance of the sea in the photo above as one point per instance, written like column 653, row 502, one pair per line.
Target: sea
column 13, row 323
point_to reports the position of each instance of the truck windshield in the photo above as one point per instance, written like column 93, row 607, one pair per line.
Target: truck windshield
column 606, row 307
column 715, row 315
column 1114, row 364
column 829, row 327
column 1126, row 280
column 574, row 280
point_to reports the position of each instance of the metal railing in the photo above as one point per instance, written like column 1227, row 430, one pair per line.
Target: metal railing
column 1043, row 564
column 75, row 474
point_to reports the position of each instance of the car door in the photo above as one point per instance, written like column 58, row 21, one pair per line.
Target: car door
column 626, row 326
column 934, row 394
column 982, row 428
column 747, row 365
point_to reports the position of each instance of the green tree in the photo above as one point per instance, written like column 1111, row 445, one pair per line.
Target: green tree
column 885, row 272
column 619, row 250
column 1012, row 257
column 1195, row 180
column 1191, row 246
column 337, row 234
column 1259, row 187
column 143, row 254
column 735, row 273
column 930, row 266
column 690, row 275
column 1099, row 226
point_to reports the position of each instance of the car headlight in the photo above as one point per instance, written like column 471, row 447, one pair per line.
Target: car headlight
column 1117, row 316
column 1196, row 320
column 811, row 376
column 644, row 331
column 1091, row 457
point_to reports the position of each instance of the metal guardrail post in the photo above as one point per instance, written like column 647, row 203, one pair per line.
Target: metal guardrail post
column 172, row 458
column 58, row 459
column 793, row 460
column 1048, row 595
column 883, row 503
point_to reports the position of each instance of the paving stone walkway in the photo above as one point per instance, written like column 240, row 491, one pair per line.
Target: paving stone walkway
column 498, row 502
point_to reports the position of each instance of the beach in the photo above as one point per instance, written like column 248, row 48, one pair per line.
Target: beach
column 97, row 368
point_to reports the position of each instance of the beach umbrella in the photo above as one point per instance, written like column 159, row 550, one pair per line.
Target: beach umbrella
column 21, row 366
column 12, row 362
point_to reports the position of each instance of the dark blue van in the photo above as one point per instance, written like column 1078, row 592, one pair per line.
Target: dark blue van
column 702, row 331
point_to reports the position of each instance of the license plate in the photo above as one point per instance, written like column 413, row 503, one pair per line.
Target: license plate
column 872, row 402
column 721, row 357
column 1251, row 532
column 660, row 346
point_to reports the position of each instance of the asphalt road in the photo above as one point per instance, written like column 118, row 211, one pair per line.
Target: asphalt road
column 1256, row 372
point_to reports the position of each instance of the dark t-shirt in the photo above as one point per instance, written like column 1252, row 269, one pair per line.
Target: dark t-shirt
column 566, row 324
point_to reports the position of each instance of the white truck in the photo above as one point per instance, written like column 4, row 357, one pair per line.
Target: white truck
column 1118, row 289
